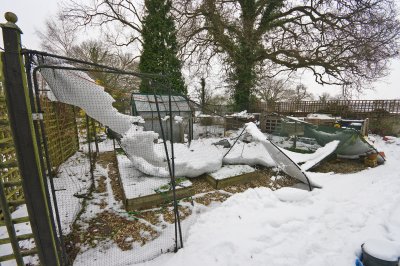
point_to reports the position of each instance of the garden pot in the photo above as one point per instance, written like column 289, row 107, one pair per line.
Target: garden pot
column 372, row 156
column 369, row 260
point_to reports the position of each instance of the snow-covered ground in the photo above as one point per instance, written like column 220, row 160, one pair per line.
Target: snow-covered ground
column 20, row 229
column 73, row 179
column 137, row 184
column 227, row 171
column 294, row 227
column 284, row 227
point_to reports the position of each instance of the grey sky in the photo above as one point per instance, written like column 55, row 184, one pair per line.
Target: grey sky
column 32, row 14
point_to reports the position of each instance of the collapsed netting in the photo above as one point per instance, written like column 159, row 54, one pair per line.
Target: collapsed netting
column 67, row 82
column 139, row 145
column 72, row 85
column 307, row 137
column 148, row 163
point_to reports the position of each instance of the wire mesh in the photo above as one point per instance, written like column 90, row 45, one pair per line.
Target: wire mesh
column 132, row 190
column 301, row 136
column 137, row 182
column 99, row 193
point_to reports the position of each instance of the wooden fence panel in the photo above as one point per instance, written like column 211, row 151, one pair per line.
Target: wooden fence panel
column 62, row 139
column 61, row 131
column 9, row 172
column 355, row 108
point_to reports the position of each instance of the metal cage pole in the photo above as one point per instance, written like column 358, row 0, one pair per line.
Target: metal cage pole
column 21, row 121
column 176, row 210
column 50, row 174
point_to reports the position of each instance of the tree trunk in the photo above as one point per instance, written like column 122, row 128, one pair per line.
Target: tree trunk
column 244, row 76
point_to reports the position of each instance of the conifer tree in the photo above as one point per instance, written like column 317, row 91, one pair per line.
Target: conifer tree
column 160, row 48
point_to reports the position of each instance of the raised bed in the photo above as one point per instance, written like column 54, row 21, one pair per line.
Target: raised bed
column 230, row 175
column 142, row 191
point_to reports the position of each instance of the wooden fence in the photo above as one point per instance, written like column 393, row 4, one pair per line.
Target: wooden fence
column 384, row 115
column 61, row 131
column 9, row 171
column 62, row 139
column 344, row 108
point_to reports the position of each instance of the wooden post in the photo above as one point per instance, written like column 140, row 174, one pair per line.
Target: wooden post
column 295, row 135
column 21, row 122
column 203, row 94
column 181, row 133
column 263, row 122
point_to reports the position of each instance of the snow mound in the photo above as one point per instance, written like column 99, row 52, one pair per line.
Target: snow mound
column 320, row 116
column 140, row 148
column 232, row 170
column 291, row 194
column 200, row 158
column 242, row 114
column 249, row 153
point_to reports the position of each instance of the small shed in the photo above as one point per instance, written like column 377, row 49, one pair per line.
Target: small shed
column 145, row 105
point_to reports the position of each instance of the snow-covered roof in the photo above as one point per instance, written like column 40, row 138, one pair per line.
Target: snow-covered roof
column 320, row 116
column 147, row 103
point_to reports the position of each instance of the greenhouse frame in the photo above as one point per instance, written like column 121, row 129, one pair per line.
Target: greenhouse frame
column 145, row 105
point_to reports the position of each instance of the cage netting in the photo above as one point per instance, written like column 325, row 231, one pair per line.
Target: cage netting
column 301, row 136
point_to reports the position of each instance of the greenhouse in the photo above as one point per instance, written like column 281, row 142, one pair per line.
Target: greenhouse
column 145, row 105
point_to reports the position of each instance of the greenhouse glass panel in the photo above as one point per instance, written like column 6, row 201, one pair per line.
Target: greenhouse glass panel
column 145, row 105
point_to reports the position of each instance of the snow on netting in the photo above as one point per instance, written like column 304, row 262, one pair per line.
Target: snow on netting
column 140, row 178
column 115, row 196
column 77, row 88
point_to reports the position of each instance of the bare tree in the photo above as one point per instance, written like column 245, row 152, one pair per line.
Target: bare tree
column 272, row 90
column 324, row 97
column 119, row 86
column 96, row 51
column 341, row 42
column 59, row 36
column 300, row 93
column 125, row 15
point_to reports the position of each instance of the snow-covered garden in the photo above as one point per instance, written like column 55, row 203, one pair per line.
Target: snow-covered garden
column 276, row 207
column 271, row 221
column 163, row 132
column 291, row 226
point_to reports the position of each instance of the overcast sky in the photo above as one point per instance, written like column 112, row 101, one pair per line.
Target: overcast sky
column 32, row 14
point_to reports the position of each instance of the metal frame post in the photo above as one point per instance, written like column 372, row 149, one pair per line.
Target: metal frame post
column 21, row 122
